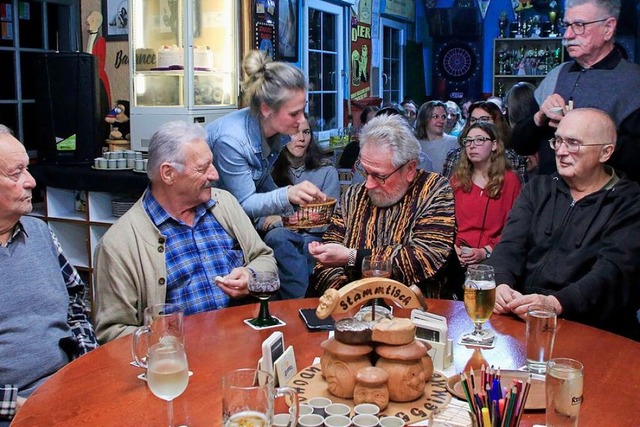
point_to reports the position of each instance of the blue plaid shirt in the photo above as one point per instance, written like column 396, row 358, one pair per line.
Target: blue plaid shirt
column 194, row 256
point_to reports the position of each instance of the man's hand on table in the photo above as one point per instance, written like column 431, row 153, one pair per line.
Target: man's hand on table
column 236, row 283
column 329, row 254
column 512, row 301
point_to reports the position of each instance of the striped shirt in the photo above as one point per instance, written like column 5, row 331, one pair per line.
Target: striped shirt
column 417, row 233
column 194, row 256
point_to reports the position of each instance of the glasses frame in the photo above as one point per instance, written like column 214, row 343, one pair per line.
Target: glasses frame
column 577, row 24
column 380, row 179
column 467, row 142
column 481, row 119
column 552, row 144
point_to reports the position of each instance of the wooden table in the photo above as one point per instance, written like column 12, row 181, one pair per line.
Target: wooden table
column 101, row 388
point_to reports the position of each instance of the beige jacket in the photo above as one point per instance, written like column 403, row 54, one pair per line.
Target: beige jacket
column 130, row 270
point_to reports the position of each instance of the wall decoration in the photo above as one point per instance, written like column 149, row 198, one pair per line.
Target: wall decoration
column 116, row 19
column 288, row 30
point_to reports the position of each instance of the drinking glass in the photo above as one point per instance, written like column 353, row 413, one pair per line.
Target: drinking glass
column 376, row 266
column 262, row 285
column 479, row 299
column 563, row 387
column 162, row 323
column 168, row 372
column 248, row 399
column 542, row 323
column 373, row 266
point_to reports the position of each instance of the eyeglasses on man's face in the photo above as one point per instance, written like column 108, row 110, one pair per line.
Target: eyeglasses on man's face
column 573, row 145
column 380, row 179
column 477, row 141
column 482, row 119
column 578, row 27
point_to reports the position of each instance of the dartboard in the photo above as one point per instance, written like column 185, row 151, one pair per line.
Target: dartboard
column 457, row 61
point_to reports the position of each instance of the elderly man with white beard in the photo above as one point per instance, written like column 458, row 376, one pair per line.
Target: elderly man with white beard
column 399, row 212
column 597, row 77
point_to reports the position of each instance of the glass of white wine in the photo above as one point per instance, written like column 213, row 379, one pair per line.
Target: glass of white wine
column 168, row 372
column 479, row 299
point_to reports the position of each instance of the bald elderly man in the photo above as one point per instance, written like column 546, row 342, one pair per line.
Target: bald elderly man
column 573, row 238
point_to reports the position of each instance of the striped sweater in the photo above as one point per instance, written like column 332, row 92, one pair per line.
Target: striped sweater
column 417, row 233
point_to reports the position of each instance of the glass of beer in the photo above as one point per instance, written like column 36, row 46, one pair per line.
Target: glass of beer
column 248, row 399
column 479, row 299
column 563, row 387
column 376, row 266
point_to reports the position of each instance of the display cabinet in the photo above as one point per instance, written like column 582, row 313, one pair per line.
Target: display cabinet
column 184, row 63
column 523, row 59
column 79, row 219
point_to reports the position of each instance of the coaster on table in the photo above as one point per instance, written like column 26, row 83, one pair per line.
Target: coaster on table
column 484, row 344
column 248, row 322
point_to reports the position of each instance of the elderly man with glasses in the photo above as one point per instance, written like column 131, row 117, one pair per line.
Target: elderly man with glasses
column 399, row 212
column 573, row 238
column 598, row 77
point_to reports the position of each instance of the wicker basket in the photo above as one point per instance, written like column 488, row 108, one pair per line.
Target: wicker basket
column 311, row 216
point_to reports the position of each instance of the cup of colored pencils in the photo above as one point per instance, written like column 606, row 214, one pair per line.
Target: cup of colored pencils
column 493, row 403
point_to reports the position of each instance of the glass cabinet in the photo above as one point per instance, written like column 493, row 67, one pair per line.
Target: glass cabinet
column 523, row 59
column 184, row 63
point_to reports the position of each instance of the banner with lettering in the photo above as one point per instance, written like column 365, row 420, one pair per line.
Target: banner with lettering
column 361, row 50
column 402, row 8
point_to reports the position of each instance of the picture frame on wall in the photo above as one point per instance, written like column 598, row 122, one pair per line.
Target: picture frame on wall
column 288, row 25
column 115, row 21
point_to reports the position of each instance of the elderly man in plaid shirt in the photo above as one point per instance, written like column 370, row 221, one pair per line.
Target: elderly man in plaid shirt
column 44, row 323
column 184, row 242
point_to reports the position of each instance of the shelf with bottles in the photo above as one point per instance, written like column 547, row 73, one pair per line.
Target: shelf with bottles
column 523, row 59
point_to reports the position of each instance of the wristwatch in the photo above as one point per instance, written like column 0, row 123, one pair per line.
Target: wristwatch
column 487, row 252
column 352, row 258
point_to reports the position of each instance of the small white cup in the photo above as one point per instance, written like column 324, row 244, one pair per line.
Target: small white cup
column 365, row 420
column 311, row 420
column 138, row 155
column 281, row 420
column 366, row 409
column 100, row 163
column 337, row 409
column 319, row 404
column 391, row 422
column 144, row 164
column 131, row 163
column 337, row 421
column 303, row 409
column 112, row 163
column 122, row 163
column 138, row 165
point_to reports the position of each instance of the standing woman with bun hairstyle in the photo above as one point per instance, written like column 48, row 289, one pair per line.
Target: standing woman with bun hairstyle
column 245, row 145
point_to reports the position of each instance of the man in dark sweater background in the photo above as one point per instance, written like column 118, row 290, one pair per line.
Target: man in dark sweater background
column 573, row 238
column 597, row 77
column 43, row 320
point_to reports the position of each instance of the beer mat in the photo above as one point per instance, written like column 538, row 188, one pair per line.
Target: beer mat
column 143, row 376
column 484, row 344
column 282, row 323
column 535, row 401
column 309, row 383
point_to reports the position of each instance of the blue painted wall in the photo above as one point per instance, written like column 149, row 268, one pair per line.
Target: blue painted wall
column 490, row 32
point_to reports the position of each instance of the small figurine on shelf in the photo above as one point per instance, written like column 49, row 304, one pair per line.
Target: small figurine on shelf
column 118, row 118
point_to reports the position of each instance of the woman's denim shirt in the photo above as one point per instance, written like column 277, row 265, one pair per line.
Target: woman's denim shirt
column 236, row 143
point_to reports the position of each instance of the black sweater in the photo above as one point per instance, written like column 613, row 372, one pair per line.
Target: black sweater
column 584, row 253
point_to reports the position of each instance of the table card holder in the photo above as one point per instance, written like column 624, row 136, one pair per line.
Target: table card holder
column 284, row 368
column 433, row 329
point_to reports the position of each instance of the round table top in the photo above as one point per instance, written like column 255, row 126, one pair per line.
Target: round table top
column 102, row 388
